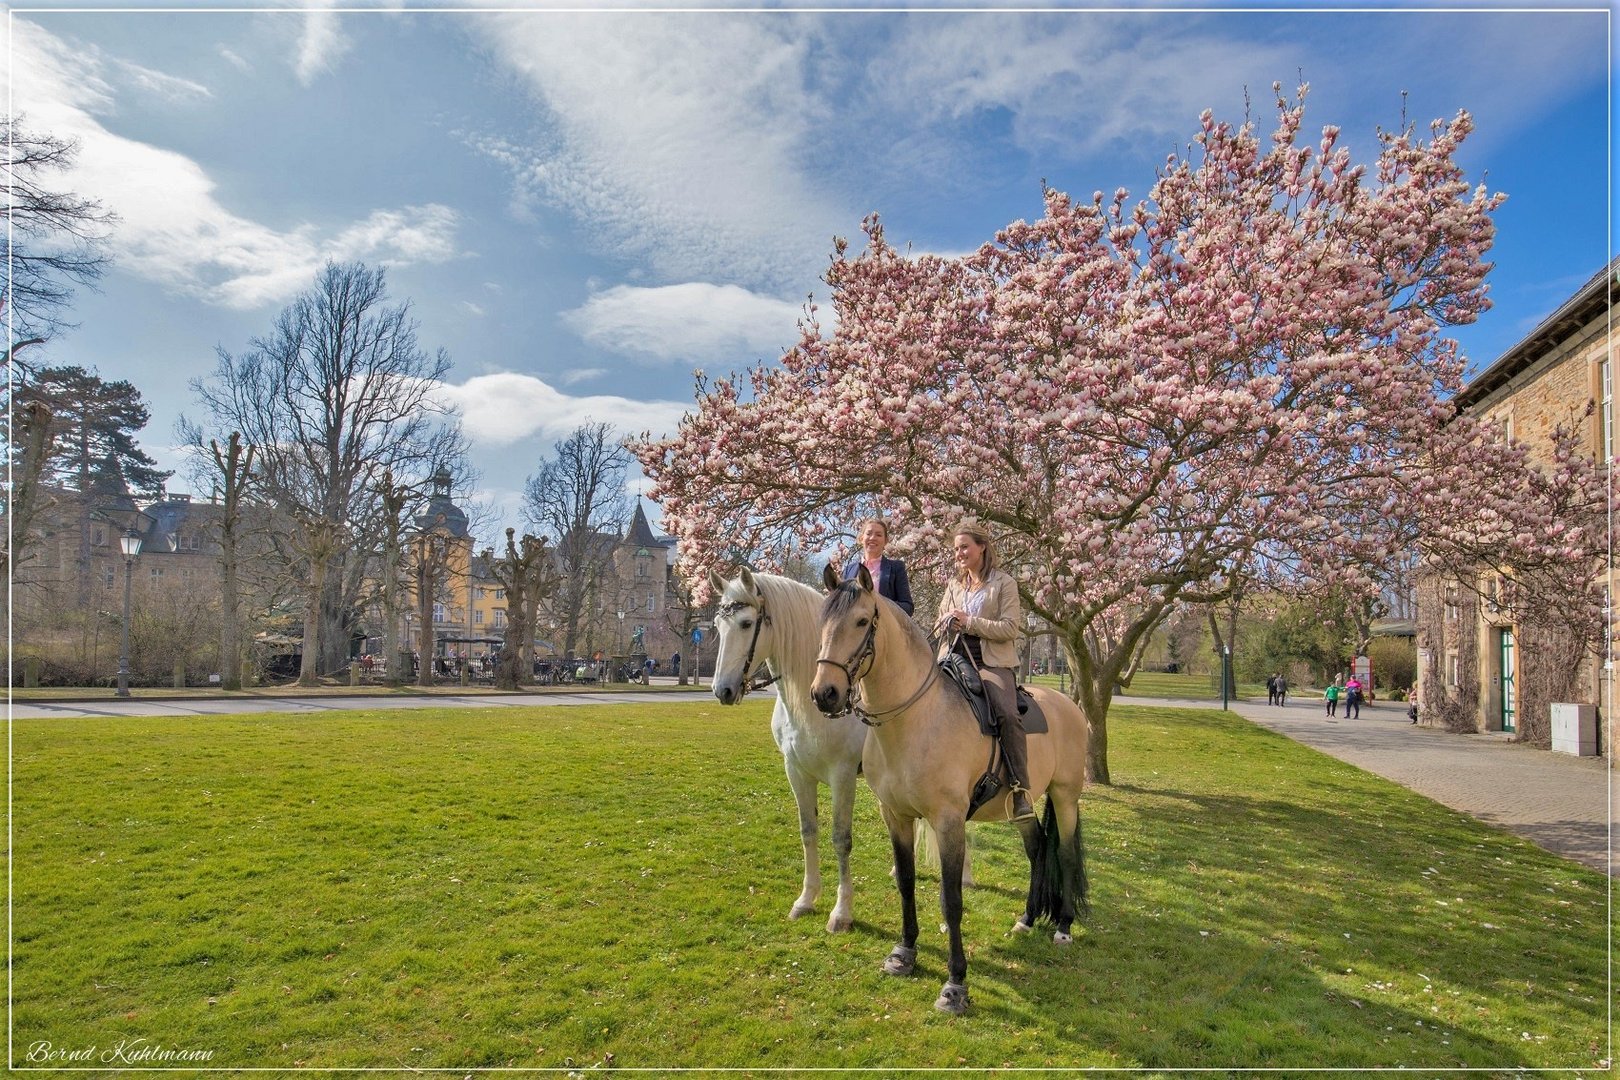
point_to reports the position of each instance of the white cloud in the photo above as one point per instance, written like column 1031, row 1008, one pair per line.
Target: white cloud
column 235, row 59
column 172, row 228
column 579, row 375
column 320, row 45
column 1076, row 85
column 507, row 407
column 473, row 309
column 693, row 323
column 168, row 87
column 687, row 143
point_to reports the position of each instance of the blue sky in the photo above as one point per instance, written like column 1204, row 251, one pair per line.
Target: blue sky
column 584, row 207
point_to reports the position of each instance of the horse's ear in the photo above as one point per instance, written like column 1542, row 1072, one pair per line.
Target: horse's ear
column 864, row 577
column 746, row 576
column 830, row 578
column 717, row 583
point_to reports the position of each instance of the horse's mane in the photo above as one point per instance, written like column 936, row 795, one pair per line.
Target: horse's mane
column 792, row 606
column 841, row 599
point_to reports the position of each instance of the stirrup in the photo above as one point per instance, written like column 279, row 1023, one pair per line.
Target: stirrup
column 1013, row 813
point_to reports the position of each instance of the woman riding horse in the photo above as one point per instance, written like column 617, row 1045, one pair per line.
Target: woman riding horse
column 982, row 603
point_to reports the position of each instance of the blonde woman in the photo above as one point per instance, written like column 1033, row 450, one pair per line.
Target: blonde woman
column 982, row 602
column 889, row 575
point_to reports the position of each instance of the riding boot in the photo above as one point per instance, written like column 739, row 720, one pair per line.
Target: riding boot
column 1012, row 748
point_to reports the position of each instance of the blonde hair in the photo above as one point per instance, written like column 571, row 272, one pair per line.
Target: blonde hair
column 971, row 528
column 860, row 526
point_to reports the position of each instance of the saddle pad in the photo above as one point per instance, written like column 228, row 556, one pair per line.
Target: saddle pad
column 1029, row 710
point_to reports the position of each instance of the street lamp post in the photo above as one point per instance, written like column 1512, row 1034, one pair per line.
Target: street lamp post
column 130, row 543
column 620, row 643
column 1226, row 674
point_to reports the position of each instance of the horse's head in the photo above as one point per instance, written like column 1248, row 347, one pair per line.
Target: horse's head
column 848, row 636
column 745, row 634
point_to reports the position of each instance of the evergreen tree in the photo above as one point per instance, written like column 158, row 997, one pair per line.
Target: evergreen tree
column 90, row 446
column 76, row 431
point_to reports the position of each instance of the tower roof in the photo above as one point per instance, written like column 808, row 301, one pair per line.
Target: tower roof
column 640, row 533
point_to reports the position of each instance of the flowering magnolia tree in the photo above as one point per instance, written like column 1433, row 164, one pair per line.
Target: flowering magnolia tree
column 1241, row 379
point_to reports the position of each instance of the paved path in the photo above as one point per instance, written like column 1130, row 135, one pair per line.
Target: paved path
column 1562, row 803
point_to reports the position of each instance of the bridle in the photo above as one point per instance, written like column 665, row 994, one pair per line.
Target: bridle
column 867, row 654
column 751, row 679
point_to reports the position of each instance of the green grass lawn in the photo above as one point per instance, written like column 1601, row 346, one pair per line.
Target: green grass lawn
column 602, row 886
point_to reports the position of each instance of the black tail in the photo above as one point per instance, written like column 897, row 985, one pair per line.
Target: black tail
column 1058, row 887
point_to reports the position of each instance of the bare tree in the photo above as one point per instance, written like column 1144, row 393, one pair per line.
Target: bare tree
column 528, row 575
column 51, row 239
column 578, row 501
column 338, row 393
column 234, row 464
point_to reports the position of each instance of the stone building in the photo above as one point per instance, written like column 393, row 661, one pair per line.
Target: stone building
column 1478, row 669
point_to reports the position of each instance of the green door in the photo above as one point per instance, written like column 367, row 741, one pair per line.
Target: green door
column 1509, row 672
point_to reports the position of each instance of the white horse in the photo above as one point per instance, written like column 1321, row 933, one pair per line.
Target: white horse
column 769, row 633
column 768, row 623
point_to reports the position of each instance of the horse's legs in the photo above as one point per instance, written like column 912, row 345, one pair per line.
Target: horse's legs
column 804, row 792
column 952, row 836
column 843, row 803
column 1034, row 838
column 902, row 837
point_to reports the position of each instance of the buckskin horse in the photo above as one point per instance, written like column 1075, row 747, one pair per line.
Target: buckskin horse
column 923, row 755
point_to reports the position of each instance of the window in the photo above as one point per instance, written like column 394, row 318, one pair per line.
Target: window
column 438, row 613
column 107, row 577
column 478, row 616
column 99, row 536
column 652, row 601
column 1453, row 670
column 1452, row 611
column 500, row 616
column 1606, row 412
column 157, row 572
column 478, row 593
column 643, row 566
column 500, row 594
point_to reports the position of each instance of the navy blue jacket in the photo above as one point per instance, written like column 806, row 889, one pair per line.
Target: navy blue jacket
column 891, row 580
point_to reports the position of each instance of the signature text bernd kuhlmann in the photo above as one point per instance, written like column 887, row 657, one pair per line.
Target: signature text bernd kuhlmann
column 125, row 1052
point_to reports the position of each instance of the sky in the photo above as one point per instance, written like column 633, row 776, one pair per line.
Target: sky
column 584, row 207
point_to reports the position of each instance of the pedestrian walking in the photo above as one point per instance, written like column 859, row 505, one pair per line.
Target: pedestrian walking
column 1271, row 690
column 1331, row 696
column 1352, row 699
column 1411, row 704
column 1282, row 689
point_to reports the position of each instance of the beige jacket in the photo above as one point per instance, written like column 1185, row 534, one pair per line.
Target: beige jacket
column 998, row 623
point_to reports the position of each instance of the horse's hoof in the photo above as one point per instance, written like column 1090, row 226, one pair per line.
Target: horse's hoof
column 900, row 961
column 953, row 999
column 839, row 923
column 1021, row 927
column 800, row 910
column 1062, row 938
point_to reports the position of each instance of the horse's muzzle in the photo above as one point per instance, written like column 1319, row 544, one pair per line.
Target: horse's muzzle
column 829, row 699
column 727, row 693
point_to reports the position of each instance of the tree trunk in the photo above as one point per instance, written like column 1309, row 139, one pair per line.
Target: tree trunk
column 1093, row 692
column 424, row 620
column 309, row 665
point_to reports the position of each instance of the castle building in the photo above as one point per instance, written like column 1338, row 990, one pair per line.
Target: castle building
column 1478, row 670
